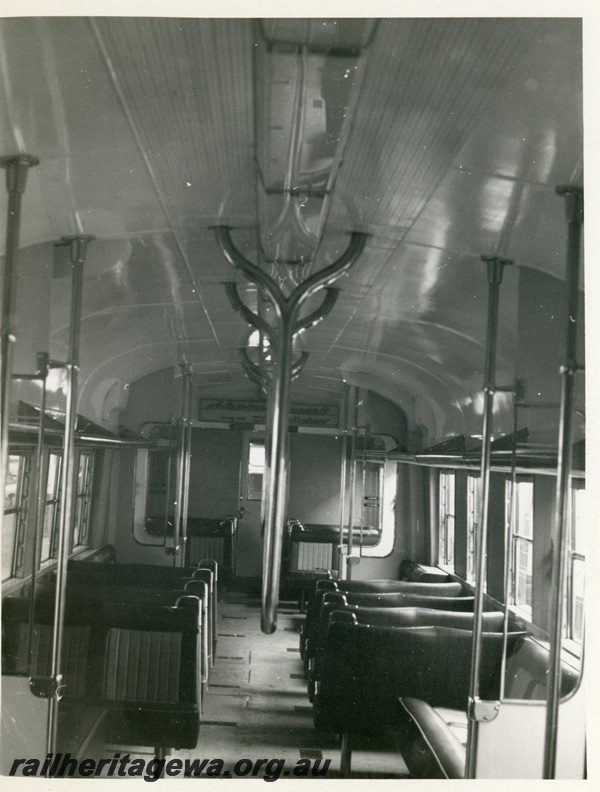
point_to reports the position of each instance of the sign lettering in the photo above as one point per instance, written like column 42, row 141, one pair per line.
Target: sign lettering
column 234, row 411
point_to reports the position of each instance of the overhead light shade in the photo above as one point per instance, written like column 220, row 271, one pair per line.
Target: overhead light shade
column 307, row 74
column 319, row 33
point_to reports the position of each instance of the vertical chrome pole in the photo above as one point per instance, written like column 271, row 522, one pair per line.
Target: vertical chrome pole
column 354, row 421
column 179, row 486
column 16, row 168
column 43, row 361
column 363, row 491
column 276, row 500
column 508, row 541
column 168, row 501
column 343, row 473
column 495, row 266
column 78, row 248
column 568, row 372
column 185, row 494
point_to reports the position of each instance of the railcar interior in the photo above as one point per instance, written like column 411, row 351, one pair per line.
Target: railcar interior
column 293, row 397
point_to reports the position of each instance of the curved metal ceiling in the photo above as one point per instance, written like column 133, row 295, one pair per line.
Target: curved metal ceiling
column 145, row 131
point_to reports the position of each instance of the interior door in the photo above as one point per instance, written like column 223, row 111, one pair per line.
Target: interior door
column 249, row 539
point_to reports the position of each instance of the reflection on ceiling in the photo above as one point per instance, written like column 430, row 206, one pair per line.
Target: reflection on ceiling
column 432, row 135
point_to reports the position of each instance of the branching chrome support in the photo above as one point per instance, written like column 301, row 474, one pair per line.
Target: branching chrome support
column 495, row 267
column 17, row 168
column 299, row 364
column 316, row 316
column 231, row 289
column 235, row 258
column 275, row 487
column 574, row 216
column 78, row 248
column 254, row 371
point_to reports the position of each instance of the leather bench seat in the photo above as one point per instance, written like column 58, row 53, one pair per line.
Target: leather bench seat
column 150, row 576
column 366, row 669
column 143, row 598
column 368, row 587
column 433, row 738
column 140, row 666
column 308, row 636
column 390, row 617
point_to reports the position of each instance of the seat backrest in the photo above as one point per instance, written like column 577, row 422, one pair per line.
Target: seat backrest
column 365, row 669
column 527, row 673
column 419, row 617
column 134, row 575
column 374, row 600
column 134, row 570
column 452, row 589
column 125, row 594
column 18, row 640
column 405, row 599
column 107, row 640
column 401, row 617
column 153, row 658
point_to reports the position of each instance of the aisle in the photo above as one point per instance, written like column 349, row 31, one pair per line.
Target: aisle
column 257, row 706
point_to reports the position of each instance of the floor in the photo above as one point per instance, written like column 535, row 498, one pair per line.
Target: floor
column 257, row 706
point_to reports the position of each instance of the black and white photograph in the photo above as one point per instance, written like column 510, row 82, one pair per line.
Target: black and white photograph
column 293, row 392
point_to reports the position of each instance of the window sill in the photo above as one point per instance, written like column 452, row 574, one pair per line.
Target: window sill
column 11, row 585
column 522, row 611
column 572, row 648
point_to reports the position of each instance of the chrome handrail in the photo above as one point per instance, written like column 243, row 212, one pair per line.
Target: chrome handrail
column 78, row 249
column 17, row 168
column 495, row 267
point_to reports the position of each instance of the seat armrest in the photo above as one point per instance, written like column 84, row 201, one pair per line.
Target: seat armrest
column 429, row 747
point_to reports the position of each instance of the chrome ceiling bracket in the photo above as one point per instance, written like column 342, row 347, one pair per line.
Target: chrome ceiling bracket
column 483, row 711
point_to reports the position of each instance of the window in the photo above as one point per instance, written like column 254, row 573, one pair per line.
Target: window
column 83, row 498
column 372, row 494
column 472, row 523
column 520, row 515
column 16, row 494
column 51, row 508
column 256, row 469
column 446, row 520
column 378, row 507
column 573, row 609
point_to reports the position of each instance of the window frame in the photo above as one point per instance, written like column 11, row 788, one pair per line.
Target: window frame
column 573, row 632
column 54, row 502
column 82, row 501
column 255, row 472
column 447, row 519
column 20, row 509
column 473, row 495
column 519, row 539
column 384, row 501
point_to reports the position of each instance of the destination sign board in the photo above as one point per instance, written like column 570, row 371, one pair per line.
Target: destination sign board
column 255, row 412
